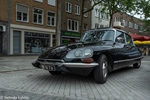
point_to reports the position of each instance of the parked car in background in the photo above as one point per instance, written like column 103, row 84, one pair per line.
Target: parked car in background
column 99, row 51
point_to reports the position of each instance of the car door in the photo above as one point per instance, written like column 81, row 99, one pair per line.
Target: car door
column 120, row 49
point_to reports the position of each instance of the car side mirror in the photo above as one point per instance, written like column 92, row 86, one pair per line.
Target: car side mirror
column 119, row 40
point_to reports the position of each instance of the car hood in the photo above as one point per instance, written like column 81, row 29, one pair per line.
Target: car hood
column 60, row 51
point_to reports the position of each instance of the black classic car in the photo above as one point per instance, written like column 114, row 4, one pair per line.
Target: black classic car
column 99, row 51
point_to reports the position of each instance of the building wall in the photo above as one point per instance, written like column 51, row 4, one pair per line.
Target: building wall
column 15, row 41
column 65, row 15
column 128, row 19
column 32, row 4
column 4, row 22
column 3, row 10
column 97, row 19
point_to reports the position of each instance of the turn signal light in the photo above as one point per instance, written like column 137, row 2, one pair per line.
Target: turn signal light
column 87, row 60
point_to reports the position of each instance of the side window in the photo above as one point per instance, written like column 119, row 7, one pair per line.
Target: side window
column 120, row 38
column 129, row 40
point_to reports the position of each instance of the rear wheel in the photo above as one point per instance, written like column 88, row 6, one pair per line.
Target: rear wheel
column 101, row 71
column 54, row 72
column 137, row 65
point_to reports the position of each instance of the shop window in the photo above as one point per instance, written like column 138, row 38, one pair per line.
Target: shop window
column 37, row 16
column 68, row 7
column 36, row 42
column 77, row 10
column 22, row 13
column 51, row 18
column 73, row 25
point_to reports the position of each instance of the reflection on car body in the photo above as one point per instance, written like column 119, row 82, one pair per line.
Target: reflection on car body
column 99, row 51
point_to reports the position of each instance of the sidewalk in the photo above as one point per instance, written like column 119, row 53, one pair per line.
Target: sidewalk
column 146, row 58
column 16, row 63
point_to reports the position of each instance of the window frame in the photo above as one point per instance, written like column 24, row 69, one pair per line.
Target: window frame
column 130, row 25
column 38, row 14
column 77, row 10
column 50, row 3
column 67, row 10
column 75, row 21
column 51, row 18
column 38, row 0
column 86, row 14
column 97, row 14
column 22, row 13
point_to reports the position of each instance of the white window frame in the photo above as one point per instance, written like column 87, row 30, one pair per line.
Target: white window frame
column 123, row 22
column 77, row 9
column 130, row 25
column 51, row 18
column 86, row 14
column 48, row 2
column 75, row 28
column 39, row 0
column 135, row 26
column 38, row 14
column 96, row 12
column 69, row 10
column 22, row 13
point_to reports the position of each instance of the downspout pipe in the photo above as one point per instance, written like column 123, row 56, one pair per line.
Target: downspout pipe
column 8, row 29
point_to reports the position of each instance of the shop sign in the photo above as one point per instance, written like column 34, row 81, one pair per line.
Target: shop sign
column 71, row 34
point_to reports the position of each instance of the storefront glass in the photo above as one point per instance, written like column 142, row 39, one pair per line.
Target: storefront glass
column 36, row 42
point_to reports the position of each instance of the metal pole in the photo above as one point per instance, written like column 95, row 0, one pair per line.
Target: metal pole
column 8, row 29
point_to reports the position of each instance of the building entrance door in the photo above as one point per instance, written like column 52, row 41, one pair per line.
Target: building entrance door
column 16, row 42
column 1, row 42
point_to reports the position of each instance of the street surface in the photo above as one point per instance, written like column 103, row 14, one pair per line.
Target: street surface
column 19, row 80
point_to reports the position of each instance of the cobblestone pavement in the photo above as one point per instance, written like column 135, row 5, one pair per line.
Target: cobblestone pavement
column 37, row 84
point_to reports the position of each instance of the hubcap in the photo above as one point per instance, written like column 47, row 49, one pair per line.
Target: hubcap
column 104, row 66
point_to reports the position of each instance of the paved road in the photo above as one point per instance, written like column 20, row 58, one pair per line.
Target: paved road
column 29, row 83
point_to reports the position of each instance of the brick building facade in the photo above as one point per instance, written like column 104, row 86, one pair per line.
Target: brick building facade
column 32, row 25
column 131, row 24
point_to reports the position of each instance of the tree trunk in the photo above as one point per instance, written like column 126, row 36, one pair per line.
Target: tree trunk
column 82, row 13
column 110, row 22
column 58, row 23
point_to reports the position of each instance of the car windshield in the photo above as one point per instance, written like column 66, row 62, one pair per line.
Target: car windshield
column 99, row 35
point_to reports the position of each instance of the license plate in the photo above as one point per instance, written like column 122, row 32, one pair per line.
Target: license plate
column 48, row 67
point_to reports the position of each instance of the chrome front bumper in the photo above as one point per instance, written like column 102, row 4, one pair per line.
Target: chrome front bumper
column 59, row 63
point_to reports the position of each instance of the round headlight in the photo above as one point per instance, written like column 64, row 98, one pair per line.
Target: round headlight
column 78, row 53
column 88, row 52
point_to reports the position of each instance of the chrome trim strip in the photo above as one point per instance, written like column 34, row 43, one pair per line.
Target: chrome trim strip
column 127, row 60
column 77, row 65
column 51, row 59
column 80, row 65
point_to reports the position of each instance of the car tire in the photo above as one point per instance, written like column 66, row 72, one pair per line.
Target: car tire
column 54, row 72
column 101, row 71
column 137, row 65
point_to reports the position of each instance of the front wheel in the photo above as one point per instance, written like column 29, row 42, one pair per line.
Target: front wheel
column 54, row 72
column 101, row 71
column 137, row 65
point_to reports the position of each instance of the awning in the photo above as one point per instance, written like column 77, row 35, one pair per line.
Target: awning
column 139, row 37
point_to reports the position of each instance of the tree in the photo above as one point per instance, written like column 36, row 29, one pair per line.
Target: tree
column 83, row 11
column 113, row 6
column 144, row 9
